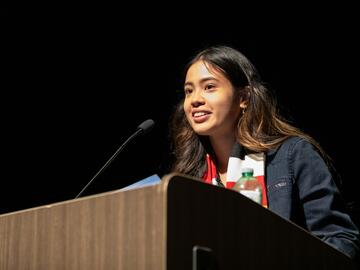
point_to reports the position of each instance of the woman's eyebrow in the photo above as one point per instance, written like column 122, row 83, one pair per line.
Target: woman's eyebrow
column 202, row 80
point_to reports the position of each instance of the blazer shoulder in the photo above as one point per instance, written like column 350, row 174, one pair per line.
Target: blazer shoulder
column 287, row 145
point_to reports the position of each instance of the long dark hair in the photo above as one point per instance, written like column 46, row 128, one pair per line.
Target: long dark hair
column 259, row 129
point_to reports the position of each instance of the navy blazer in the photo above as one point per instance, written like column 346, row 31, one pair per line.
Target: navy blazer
column 301, row 188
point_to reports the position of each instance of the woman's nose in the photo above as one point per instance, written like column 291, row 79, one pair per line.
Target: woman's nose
column 197, row 99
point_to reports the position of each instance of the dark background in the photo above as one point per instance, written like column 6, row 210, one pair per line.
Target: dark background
column 75, row 84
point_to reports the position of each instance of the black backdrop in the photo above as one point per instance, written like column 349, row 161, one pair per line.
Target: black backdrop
column 77, row 83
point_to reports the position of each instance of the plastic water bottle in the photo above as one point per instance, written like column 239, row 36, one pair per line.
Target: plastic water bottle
column 249, row 186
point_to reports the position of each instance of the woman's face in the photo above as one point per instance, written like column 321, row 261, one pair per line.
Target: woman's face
column 211, row 105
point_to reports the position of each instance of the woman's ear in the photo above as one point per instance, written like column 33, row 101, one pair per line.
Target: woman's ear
column 244, row 97
column 243, row 104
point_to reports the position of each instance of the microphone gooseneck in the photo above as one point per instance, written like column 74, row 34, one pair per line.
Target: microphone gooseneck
column 143, row 128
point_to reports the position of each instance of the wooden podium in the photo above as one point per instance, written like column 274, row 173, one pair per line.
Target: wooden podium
column 177, row 224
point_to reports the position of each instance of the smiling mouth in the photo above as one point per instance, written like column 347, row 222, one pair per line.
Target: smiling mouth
column 199, row 114
column 200, row 117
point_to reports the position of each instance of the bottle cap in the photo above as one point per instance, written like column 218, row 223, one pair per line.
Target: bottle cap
column 247, row 170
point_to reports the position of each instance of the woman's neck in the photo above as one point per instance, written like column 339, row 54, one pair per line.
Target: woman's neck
column 222, row 147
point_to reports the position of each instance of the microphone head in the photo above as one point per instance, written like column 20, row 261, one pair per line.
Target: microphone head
column 146, row 126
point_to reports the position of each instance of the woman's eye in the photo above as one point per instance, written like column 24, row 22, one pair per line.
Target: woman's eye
column 187, row 91
column 209, row 86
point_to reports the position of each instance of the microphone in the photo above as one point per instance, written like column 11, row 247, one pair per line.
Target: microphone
column 143, row 128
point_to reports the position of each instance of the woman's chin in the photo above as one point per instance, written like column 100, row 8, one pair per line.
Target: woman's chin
column 202, row 131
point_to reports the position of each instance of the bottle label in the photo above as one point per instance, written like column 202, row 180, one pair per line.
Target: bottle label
column 254, row 195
